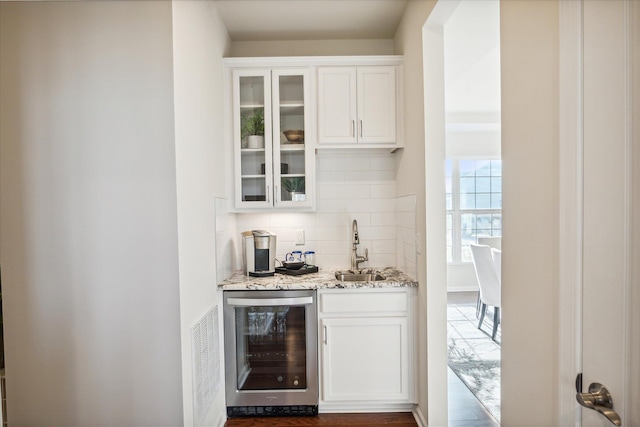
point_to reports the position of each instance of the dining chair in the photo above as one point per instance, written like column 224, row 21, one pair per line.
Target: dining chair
column 489, row 283
column 496, row 254
column 494, row 242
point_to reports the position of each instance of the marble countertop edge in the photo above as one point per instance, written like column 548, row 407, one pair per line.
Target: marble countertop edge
column 323, row 279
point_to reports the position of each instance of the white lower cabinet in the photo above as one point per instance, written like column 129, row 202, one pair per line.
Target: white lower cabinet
column 366, row 349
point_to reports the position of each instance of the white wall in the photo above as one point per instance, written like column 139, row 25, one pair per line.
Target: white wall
column 634, row 410
column 311, row 47
column 530, row 43
column 411, row 180
column 88, row 214
column 200, row 41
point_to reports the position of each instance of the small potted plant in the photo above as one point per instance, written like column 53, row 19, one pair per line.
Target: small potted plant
column 252, row 128
column 295, row 186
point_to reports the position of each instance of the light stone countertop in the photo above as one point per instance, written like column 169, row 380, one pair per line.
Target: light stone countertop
column 323, row 279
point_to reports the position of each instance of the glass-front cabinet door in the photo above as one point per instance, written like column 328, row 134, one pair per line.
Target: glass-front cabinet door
column 252, row 138
column 291, row 137
column 273, row 155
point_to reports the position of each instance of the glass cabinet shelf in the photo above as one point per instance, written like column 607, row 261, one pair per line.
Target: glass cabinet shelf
column 292, row 147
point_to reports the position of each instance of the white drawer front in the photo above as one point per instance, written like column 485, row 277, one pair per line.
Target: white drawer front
column 351, row 302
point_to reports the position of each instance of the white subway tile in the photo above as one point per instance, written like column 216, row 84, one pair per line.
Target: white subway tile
column 332, row 219
column 378, row 232
column 343, row 191
column 380, row 261
column 333, row 247
column 383, row 247
column 379, row 191
column 332, row 233
column 383, row 218
column 363, row 219
column 381, row 205
column 371, row 176
column 329, row 177
column 384, row 162
column 406, row 203
column 332, row 262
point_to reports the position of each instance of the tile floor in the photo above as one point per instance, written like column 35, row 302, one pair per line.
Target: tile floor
column 464, row 408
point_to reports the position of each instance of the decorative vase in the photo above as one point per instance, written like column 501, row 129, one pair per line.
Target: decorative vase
column 255, row 141
column 298, row 197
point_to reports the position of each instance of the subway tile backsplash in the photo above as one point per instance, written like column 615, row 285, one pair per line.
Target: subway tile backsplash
column 349, row 186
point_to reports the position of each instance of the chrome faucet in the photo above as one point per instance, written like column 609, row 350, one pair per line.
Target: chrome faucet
column 355, row 241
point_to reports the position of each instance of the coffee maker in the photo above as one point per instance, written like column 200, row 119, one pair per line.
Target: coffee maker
column 259, row 253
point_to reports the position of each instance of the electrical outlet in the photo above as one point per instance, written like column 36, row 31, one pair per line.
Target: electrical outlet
column 299, row 237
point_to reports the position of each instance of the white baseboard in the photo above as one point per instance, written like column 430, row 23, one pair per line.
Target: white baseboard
column 419, row 416
column 359, row 407
column 462, row 289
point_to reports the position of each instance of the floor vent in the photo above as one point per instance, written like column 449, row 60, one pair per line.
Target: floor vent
column 206, row 364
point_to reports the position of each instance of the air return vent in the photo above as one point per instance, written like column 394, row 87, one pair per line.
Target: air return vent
column 205, row 351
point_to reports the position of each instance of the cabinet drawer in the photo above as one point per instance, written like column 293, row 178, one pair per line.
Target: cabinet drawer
column 392, row 301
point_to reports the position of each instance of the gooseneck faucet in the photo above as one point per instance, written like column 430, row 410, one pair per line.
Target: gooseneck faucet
column 355, row 241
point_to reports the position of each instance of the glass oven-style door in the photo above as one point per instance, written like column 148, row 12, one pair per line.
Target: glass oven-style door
column 271, row 347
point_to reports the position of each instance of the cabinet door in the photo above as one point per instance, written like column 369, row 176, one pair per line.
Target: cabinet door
column 293, row 165
column 365, row 359
column 252, row 138
column 337, row 105
column 377, row 105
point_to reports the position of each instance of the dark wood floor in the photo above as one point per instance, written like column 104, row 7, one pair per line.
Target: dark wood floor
column 402, row 419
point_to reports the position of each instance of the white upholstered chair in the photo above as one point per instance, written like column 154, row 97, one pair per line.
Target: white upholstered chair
column 494, row 242
column 496, row 254
column 489, row 283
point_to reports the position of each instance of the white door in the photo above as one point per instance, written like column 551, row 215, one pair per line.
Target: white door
column 607, row 259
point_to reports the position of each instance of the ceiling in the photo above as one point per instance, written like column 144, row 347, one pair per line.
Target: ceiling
column 252, row 20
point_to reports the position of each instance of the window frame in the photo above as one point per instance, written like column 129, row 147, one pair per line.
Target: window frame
column 457, row 213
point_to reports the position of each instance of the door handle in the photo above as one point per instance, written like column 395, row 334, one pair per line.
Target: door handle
column 599, row 399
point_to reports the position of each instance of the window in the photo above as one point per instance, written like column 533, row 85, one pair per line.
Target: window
column 474, row 204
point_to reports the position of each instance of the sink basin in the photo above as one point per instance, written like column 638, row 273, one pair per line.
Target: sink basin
column 350, row 276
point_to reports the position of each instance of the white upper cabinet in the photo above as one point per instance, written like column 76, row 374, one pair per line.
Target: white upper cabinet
column 358, row 106
column 281, row 110
column 274, row 155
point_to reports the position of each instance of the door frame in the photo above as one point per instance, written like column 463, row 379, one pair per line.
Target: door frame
column 570, row 214
column 569, row 220
column 436, row 291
